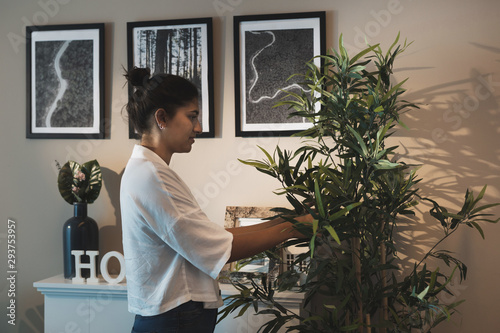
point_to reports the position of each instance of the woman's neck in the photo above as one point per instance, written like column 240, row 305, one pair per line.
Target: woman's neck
column 155, row 146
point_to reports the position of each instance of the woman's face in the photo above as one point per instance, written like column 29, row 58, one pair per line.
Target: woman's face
column 182, row 128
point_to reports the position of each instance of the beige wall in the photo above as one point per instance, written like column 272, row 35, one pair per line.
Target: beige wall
column 456, row 133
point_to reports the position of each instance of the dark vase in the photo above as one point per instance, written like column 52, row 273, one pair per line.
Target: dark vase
column 79, row 233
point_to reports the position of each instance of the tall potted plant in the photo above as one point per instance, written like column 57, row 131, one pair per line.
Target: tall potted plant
column 350, row 180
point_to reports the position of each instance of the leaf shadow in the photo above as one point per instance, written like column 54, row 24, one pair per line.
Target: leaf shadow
column 454, row 139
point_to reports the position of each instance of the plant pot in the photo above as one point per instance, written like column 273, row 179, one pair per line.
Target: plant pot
column 79, row 233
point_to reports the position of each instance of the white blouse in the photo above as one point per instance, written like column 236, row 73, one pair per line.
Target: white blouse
column 173, row 252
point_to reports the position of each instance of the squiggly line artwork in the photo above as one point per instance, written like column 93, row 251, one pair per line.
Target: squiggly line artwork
column 256, row 73
column 63, row 84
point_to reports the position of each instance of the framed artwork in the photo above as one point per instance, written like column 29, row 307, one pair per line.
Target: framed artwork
column 268, row 49
column 65, row 81
column 181, row 47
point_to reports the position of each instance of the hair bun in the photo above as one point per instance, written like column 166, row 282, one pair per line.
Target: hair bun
column 138, row 77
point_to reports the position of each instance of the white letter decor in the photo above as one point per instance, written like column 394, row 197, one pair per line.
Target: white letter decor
column 104, row 267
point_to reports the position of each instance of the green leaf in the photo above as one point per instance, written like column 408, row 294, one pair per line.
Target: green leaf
column 385, row 165
column 382, row 132
column 244, row 309
column 357, row 68
column 393, row 44
column 319, row 201
column 92, row 169
column 344, row 211
column 342, row 49
column 333, row 233
column 65, row 181
column 478, row 228
column 393, row 89
column 269, row 158
column 363, row 53
column 480, row 196
column 489, row 220
column 313, row 238
column 360, row 141
column 423, row 293
column 255, row 164
column 433, row 279
column 403, row 124
column 478, row 209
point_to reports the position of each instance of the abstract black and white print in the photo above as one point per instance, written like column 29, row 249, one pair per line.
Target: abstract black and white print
column 64, row 89
column 272, row 52
column 65, row 68
column 271, row 58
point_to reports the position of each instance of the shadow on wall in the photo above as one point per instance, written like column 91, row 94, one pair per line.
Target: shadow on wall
column 110, row 236
column 455, row 138
column 34, row 320
column 456, row 131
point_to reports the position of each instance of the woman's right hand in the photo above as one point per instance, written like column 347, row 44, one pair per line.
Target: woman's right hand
column 306, row 220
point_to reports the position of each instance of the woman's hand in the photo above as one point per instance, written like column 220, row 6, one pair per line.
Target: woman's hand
column 248, row 241
column 305, row 220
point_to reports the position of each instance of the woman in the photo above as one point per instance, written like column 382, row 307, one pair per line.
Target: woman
column 173, row 252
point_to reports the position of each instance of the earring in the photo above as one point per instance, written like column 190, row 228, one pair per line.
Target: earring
column 160, row 127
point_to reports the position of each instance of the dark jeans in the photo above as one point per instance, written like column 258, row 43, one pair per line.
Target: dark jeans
column 189, row 317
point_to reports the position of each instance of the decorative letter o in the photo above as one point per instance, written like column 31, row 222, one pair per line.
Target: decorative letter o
column 104, row 267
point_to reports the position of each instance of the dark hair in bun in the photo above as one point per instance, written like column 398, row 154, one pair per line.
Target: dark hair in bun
column 138, row 77
column 151, row 93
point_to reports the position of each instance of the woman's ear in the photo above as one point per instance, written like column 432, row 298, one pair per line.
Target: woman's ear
column 161, row 118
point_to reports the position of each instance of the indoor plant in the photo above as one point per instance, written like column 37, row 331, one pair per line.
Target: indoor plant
column 358, row 191
column 79, row 185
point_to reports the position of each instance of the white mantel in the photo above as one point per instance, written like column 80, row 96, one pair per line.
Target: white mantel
column 102, row 307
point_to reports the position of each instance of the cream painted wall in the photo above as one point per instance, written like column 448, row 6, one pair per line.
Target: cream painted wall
column 454, row 70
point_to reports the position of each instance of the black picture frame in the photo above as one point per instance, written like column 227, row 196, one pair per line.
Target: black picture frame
column 65, row 81
column 198, row 29
column 280, row 44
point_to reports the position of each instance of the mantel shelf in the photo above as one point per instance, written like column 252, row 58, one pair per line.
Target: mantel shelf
column 59, row 285
column 102, row 307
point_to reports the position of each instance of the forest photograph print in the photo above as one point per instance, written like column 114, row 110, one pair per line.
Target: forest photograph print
column 65, row 80
column 269, row 49
column 178, row 47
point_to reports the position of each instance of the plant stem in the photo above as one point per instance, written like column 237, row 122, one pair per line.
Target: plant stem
column 435, row 245
column 385, row 306
column 356, row 258
column 329, row 156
